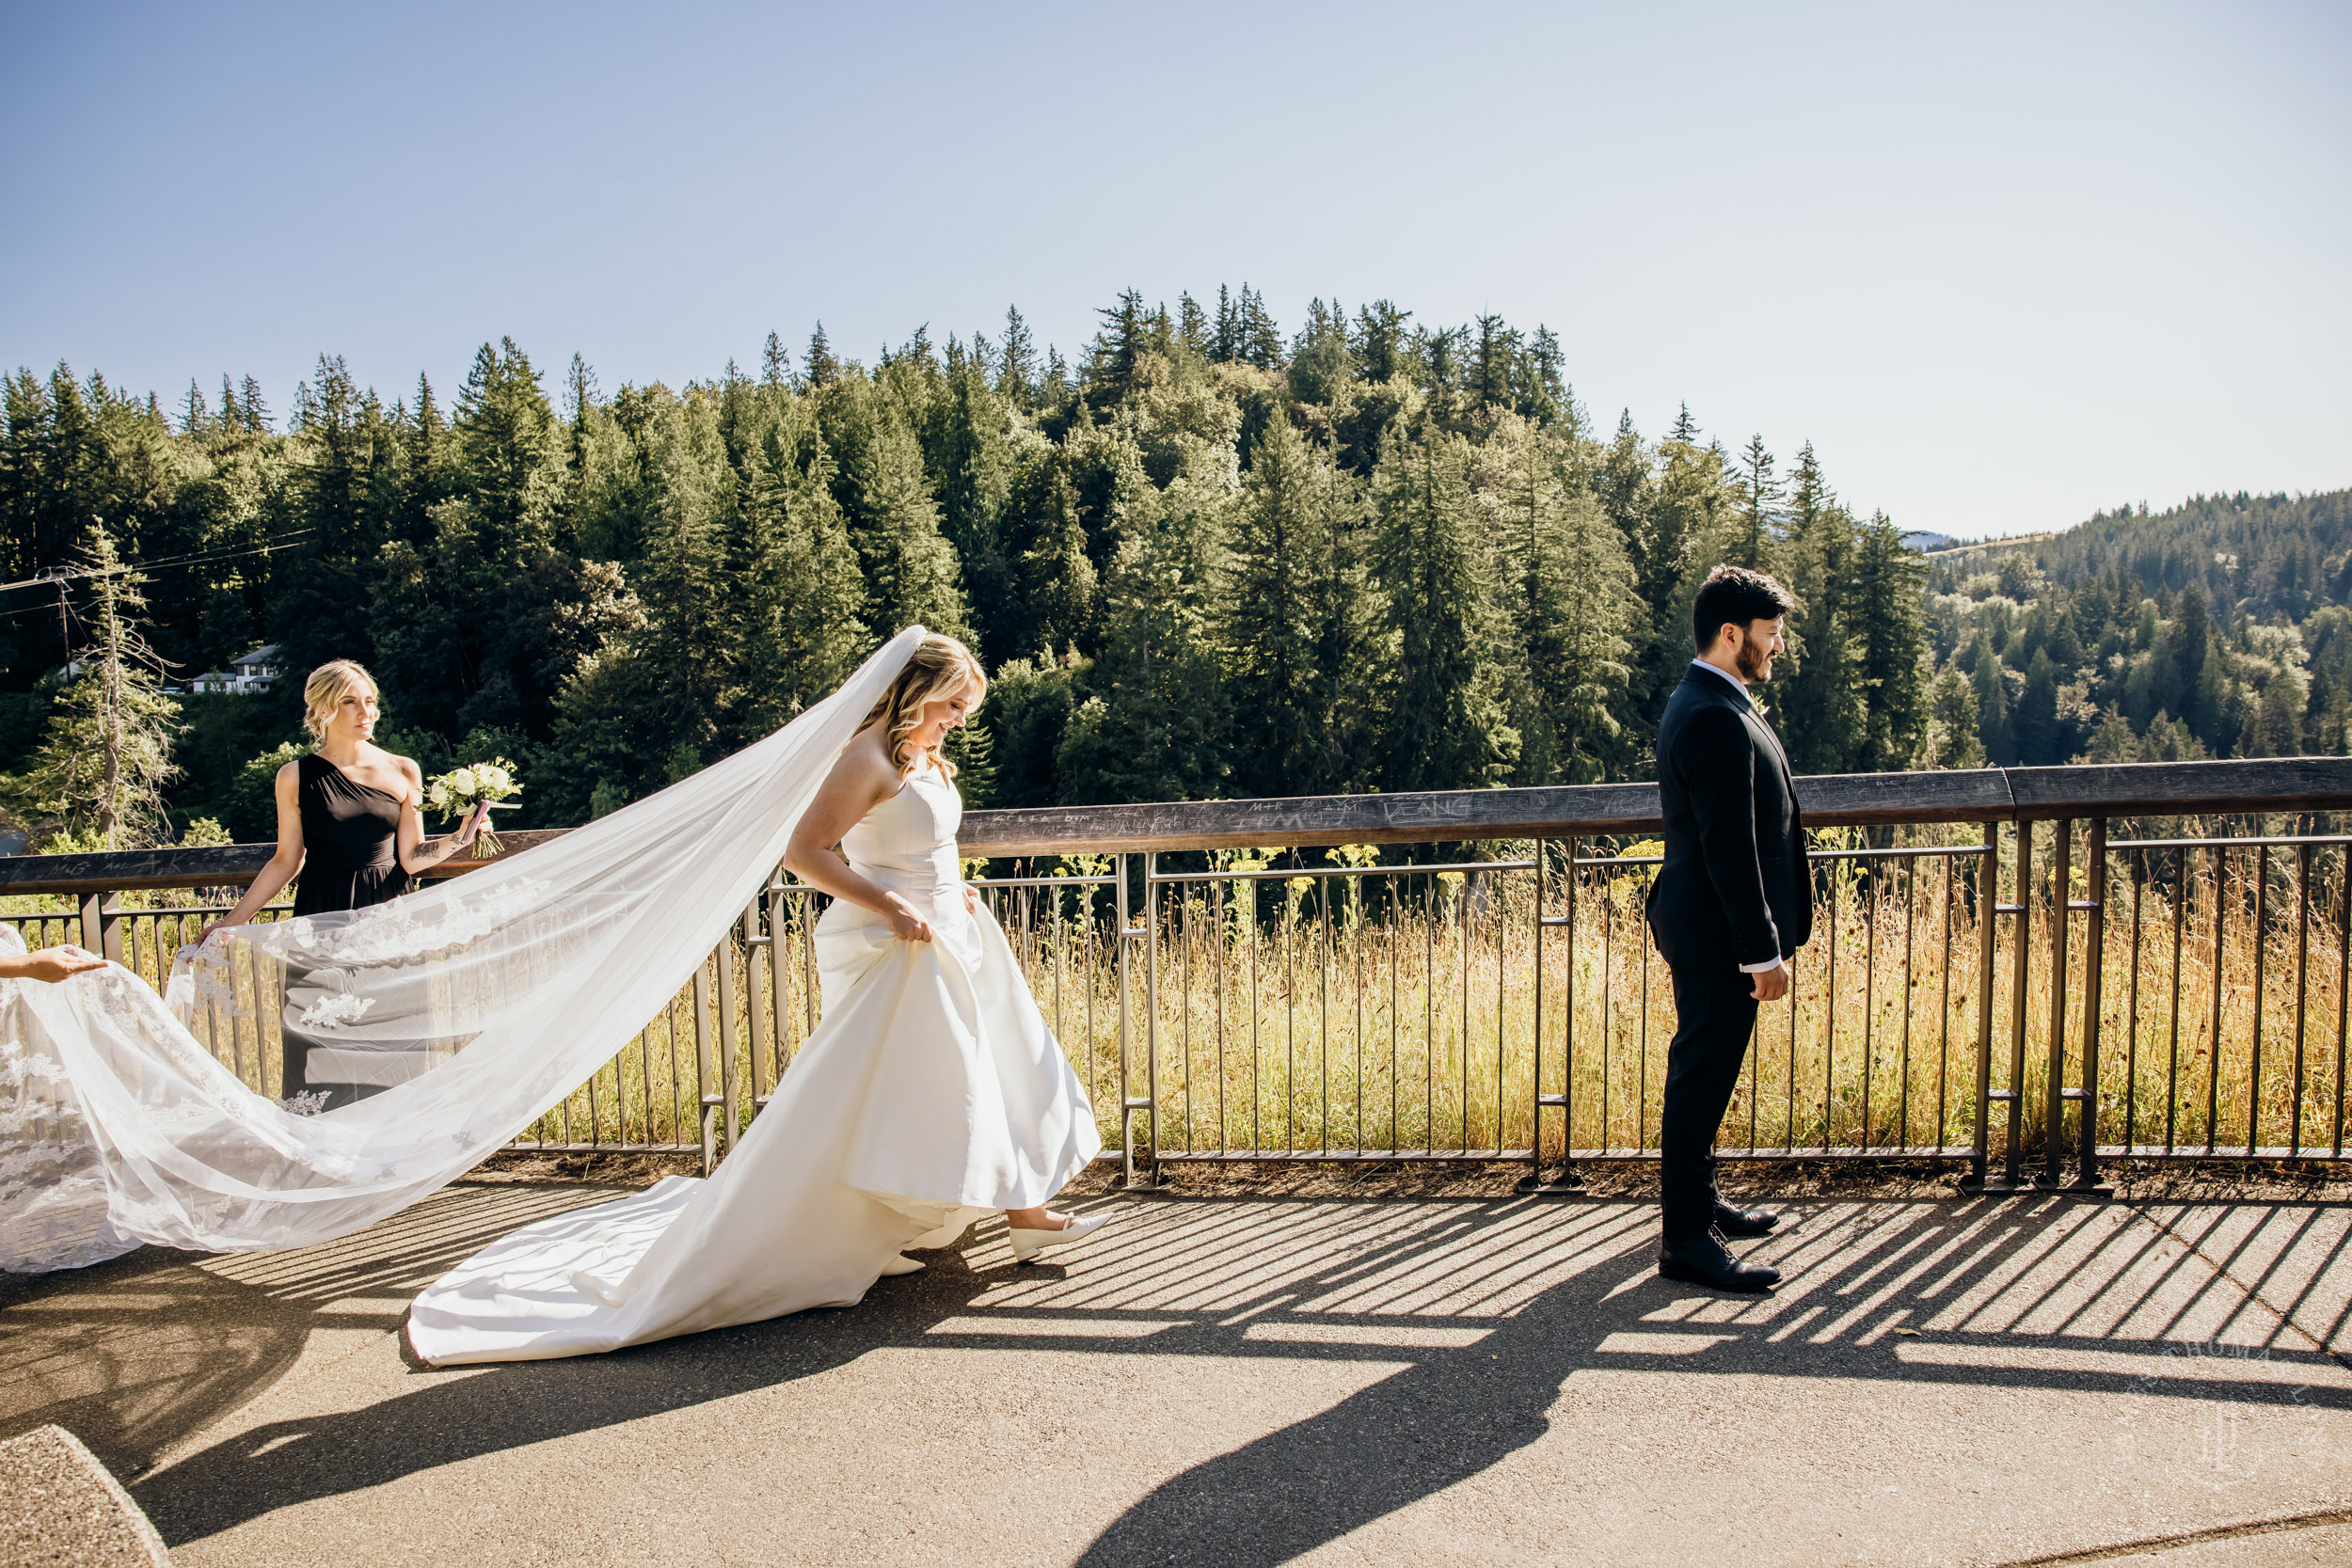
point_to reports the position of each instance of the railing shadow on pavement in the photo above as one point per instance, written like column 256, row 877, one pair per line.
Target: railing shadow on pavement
column 1487, row 1306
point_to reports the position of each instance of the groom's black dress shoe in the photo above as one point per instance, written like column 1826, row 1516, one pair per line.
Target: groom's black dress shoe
column 1704, row 1260
column 1745, row 1225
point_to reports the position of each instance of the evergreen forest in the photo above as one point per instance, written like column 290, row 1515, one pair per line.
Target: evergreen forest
column 1204, row 557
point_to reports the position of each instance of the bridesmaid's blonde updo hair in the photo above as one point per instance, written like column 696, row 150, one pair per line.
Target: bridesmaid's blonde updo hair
column 940, row 668
column 325, row 692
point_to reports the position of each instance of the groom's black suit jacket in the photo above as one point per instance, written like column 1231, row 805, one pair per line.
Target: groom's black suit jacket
column 1735, row 888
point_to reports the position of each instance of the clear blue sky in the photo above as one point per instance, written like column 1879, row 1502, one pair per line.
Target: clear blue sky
column 2000, row 264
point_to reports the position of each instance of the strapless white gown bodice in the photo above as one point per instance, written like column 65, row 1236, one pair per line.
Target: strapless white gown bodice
column 931, row 1092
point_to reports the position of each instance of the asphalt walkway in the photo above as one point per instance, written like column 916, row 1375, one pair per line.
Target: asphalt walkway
column 1254, row 1381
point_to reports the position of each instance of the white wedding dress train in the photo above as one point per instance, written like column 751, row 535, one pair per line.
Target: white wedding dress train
column 931, row 1092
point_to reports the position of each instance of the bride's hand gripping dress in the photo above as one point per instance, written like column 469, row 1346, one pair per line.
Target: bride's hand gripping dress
column 932, row 1092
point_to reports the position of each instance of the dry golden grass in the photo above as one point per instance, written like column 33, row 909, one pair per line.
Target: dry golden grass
column 1402, row 1017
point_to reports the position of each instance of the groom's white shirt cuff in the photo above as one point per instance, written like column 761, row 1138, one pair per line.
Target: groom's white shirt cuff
column 1741, row 688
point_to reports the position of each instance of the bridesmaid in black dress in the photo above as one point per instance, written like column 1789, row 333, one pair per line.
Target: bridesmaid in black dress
column 348, row 825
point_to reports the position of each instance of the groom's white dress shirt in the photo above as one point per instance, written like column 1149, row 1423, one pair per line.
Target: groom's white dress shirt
column 1748, row 697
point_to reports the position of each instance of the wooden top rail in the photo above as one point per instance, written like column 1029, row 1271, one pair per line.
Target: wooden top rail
column 1830, row 801
column 220, row 865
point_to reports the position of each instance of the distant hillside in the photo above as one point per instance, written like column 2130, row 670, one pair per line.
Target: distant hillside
column 2216, row 627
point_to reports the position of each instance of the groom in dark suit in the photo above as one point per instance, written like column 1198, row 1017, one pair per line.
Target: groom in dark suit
column 1731, row 906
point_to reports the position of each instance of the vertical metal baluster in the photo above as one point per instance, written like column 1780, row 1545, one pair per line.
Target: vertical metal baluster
column 1322, row 1008
column 1503, row 963
column 1358, row 907
column 2172, row 1065
column 756, row 1006
column 2213, row 1058
column 1869, row 995
column 2131, row 1037
column 1829, row 1015
column 1911, row 887
column 1463, row 1040
column 678, row 1111
column 2302, row 988
column 2020, row 965
column 2261, row 952
column 706, row 1100
column 1396, row 1066
column 780, row 945
column 2094, row 992
column 2343, row 985
column 644, row 1076
column 1568, row 1009
column 1224, row 1128
column 1290, row 1102
column 1429, row 1015
column 1183, row 990
column 1943, row 1006
column 2053, row 1082
column 1257, row 1008
column 1608, row 1023
column 1118, row 979
column 723, row 961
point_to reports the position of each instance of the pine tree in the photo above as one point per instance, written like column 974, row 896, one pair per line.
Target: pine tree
column 1261, row 339
column 1118, row 347
column 1951, row 737
column 1824, row 706
column 102, row 763
column 1760, row 494
column 1889, row 624
column 1225, row 345
column 1544, row 395
column 1572, row 606
column 691, row 634
column 823, row 370
column 1444, row 725
column 1151, row 730
column 911, row 570
column 972, row 458
column 1380, row 339
column 1271, row 615
column 1322, row 365
column 510, row 452
column 1995, row 728
column 775, row 362
column 1016, row 375
column 1058, row 583
column 801, row 631
column 1492, row 361
column 1192, row 326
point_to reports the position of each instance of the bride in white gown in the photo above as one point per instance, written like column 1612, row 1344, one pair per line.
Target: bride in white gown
column 931, row 1093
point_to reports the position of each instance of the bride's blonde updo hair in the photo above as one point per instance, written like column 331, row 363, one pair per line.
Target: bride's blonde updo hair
column 325, row 692
column 940, row 668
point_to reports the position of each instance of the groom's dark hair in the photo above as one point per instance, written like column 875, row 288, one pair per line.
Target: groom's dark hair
column 1736, row 594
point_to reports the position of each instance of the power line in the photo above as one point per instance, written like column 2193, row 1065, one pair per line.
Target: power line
column 59, row 575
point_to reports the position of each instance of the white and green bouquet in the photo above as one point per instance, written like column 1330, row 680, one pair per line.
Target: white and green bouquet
column 456, row 793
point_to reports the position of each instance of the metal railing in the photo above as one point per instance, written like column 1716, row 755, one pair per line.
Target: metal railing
column 1472, row 979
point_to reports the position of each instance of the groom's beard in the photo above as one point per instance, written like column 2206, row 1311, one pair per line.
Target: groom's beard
column 1755, row 664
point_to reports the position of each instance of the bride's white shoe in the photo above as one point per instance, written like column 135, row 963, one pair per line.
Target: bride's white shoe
column 1027, row 1244
column 902, row 1265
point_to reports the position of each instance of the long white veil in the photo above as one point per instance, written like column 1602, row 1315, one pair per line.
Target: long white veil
column 481, row 1001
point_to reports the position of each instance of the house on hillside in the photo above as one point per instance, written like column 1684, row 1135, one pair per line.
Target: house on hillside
column 247, row 674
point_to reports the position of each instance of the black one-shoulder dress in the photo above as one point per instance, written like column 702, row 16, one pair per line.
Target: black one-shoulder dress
column 350, row 860
column 350, row 841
